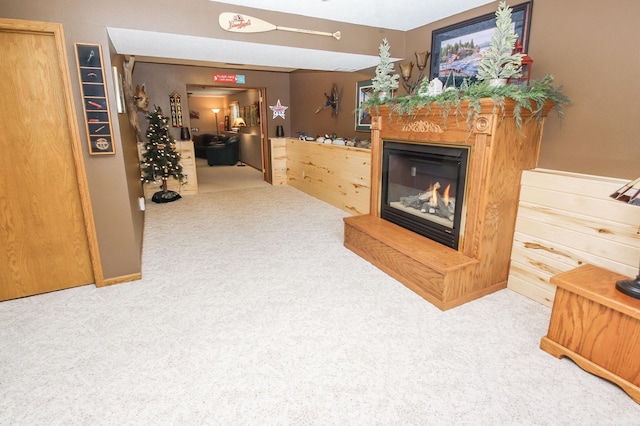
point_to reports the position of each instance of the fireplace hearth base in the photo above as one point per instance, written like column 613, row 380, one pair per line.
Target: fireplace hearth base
column 437, row 273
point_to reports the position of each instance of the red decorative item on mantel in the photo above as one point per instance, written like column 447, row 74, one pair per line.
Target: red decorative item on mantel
column 527, row 66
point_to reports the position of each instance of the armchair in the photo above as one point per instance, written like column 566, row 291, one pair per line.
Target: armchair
column 224, row 152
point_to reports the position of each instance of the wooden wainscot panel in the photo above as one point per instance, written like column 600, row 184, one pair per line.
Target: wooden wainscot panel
column 278, row 161
column 338, row 175
column 565, row 220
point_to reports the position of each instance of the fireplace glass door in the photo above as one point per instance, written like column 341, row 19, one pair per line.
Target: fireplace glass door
column 423, row 189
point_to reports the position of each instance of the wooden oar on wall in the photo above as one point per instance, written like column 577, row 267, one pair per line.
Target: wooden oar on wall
column 238, row 23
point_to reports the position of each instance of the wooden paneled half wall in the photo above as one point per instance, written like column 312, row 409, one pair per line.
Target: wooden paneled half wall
column 338, row 175
column 565, row 220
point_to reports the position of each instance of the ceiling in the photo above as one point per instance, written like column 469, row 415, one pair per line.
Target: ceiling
column 212, row 91
column 151, row 46
column 403, row 15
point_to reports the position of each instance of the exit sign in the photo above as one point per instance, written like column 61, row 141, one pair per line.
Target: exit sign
column 229, row 78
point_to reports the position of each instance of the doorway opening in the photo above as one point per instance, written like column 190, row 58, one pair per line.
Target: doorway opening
column 229, row 114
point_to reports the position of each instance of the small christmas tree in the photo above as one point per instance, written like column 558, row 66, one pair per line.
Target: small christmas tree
column 160, row 158
column 499, row 61
column 384, row 81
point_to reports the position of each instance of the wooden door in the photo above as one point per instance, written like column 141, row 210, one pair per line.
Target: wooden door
column 47, row 235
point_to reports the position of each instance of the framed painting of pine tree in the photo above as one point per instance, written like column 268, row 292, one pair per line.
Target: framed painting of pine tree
column 456, row 49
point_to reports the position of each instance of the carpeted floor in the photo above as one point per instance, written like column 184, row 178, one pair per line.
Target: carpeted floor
column 251, row 311
column 223, row 178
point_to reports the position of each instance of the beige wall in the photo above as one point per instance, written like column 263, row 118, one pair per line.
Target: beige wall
column 207, row 121
column 162, row 79
column 247, row 99
column 130, row 242
column 308, row 90
column 114, row 180
column 588, row 46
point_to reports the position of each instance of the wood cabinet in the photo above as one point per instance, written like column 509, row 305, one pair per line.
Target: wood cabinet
column 499, row 152
column 596, row 326
column 188, row 159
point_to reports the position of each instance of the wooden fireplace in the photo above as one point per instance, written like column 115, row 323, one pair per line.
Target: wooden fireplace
column 498, row 152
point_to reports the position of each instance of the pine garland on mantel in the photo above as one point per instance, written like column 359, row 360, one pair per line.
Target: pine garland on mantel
column 531, row 98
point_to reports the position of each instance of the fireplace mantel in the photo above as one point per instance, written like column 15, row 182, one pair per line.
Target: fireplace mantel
column 499, row 152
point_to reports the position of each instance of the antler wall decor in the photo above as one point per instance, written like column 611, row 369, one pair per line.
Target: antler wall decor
column 332, row 101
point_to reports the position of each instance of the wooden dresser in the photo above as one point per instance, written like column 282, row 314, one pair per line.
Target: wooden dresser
column 188, row 159
column 596, row 326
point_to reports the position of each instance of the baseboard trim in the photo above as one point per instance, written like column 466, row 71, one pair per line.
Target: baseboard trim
column 120, row 280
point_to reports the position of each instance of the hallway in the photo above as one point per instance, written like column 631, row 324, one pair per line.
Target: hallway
column 223, row 178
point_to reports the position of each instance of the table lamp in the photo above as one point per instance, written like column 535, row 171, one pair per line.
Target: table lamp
column 238, row 122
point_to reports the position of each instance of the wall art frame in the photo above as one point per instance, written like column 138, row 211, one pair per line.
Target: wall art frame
column 95, row 102
column 456, row 48
column 364, row 90
column 175, row 105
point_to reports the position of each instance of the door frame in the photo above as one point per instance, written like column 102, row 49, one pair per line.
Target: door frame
column 264, row 137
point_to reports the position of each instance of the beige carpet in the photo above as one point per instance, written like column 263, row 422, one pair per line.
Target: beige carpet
column 251, row 312
column 223, row 178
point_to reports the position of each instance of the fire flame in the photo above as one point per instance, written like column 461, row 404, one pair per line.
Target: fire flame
column 433, row 202
column 445, row 196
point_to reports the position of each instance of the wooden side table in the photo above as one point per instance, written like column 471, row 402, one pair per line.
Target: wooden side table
column 596, row 326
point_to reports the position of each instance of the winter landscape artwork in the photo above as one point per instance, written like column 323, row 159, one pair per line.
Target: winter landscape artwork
column 456, row 50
